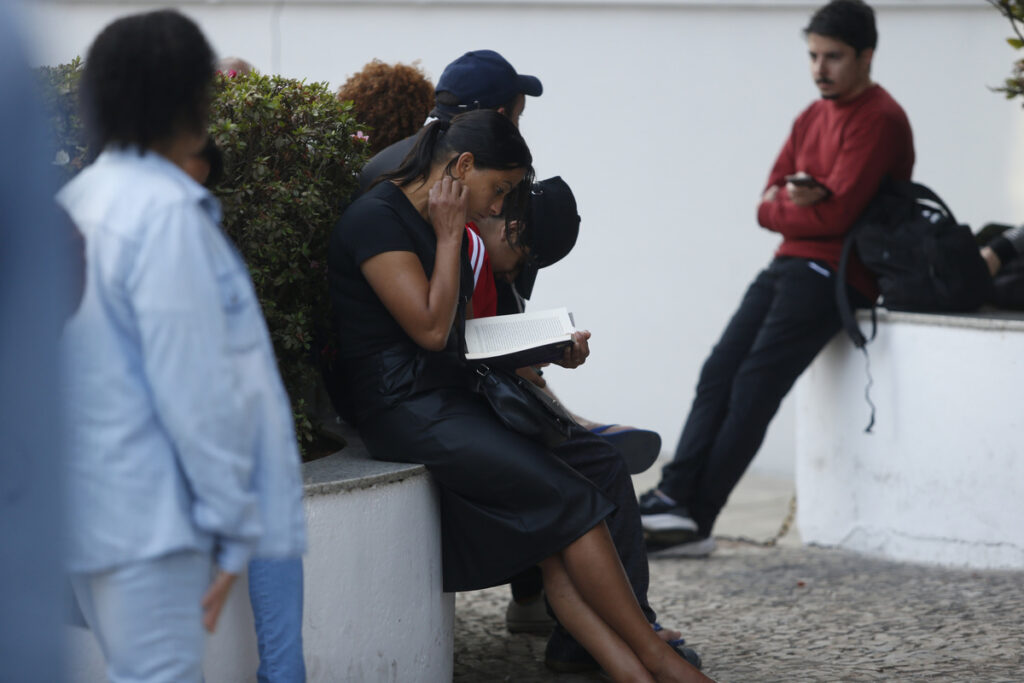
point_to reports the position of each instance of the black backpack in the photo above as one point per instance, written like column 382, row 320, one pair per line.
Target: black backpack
column 924, row 260
column 1008, row 283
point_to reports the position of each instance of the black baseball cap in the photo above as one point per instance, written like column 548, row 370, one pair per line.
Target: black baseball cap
column 483, row 79
column 553, row 225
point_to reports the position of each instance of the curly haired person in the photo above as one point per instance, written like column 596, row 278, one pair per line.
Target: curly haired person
column 393, row 99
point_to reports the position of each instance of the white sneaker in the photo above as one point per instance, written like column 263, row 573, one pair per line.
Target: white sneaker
column 701, row 547
column 661, row 515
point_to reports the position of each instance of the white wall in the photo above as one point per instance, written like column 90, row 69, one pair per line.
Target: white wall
column 664, row 117
column 940, row 478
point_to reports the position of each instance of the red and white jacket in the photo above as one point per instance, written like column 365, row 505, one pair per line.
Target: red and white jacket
column 485, row 294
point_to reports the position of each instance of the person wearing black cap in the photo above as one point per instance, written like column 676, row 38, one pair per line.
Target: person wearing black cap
column 500, row 252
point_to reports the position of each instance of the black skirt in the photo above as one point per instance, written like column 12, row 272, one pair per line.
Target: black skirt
column 507, row 502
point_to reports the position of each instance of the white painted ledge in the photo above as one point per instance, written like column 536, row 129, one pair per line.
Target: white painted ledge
column 374, row 610
column 761, row 4
column 941, row 479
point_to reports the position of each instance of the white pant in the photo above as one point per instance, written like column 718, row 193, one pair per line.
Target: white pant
column 147, row 617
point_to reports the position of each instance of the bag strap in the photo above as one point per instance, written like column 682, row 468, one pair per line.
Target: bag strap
column 846, row 314
column 920, row 191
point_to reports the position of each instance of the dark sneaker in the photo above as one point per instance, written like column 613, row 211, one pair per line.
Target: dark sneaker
column 664, row 520
column 565, row 656
column 695, row 547
column 688, row 653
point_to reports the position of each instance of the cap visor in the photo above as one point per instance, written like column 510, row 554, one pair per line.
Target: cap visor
column 527, row 277
column 530, row 85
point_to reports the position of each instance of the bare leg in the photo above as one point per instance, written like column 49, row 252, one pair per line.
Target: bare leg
column 594, row 572
column 610, row 651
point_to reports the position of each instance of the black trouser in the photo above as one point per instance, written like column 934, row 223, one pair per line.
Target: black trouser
column 786, row 317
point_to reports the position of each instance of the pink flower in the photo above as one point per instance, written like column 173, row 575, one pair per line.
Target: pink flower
column 360, row 135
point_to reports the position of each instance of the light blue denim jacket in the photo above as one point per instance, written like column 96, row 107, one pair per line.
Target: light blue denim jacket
column 181, row 433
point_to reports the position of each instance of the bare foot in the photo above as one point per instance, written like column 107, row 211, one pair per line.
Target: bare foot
column 671, row 668
column 668, row 634
column 684, row 674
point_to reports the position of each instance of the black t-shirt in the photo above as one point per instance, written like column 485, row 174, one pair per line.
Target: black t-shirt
column 381, row 220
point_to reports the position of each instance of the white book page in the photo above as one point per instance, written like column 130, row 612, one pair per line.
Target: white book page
column 503, row 334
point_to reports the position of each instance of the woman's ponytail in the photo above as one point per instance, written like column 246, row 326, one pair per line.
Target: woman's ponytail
column 418, row 160
column 492, row 139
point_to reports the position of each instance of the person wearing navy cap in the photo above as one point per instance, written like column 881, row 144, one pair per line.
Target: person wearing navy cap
column 481, row 79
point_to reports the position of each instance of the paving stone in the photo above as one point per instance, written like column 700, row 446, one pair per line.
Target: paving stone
column 794, row 614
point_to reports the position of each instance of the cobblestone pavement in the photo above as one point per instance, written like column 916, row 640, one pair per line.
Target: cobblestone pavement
column 795, row 614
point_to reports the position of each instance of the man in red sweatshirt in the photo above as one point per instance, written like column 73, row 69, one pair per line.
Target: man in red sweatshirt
column 837, row 154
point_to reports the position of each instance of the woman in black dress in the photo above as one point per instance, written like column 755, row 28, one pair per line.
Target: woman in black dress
column 399, row 276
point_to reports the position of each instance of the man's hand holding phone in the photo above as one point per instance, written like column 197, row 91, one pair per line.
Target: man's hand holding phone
column 804, row 190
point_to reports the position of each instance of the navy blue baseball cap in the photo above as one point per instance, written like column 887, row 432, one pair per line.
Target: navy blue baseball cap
column 483, row 79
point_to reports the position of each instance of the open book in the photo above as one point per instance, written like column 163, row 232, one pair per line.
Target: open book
column 514, row 341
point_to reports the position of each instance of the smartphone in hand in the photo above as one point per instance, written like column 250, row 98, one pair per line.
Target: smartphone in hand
column 803, row 181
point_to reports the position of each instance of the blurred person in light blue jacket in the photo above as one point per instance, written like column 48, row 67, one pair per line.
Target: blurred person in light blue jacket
column 182, row 454
column 37, row 286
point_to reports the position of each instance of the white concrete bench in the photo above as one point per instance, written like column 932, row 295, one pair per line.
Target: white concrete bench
column 374, row 610
column 941, row 479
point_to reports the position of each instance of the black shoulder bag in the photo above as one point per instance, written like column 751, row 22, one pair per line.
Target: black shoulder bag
column 518, row 403
column 522, row 406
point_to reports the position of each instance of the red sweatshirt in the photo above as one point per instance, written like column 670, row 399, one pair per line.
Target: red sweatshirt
column 849, row 147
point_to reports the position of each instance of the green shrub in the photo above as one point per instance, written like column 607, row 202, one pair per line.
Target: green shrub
column 59, row 91
column 1013, row 10
column 291, row 160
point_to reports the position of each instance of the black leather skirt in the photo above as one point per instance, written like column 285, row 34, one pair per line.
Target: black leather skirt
column 507, row 502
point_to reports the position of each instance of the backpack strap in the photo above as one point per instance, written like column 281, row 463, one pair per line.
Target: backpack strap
column 847, row 317
column 846, row 314
column 919, row 191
